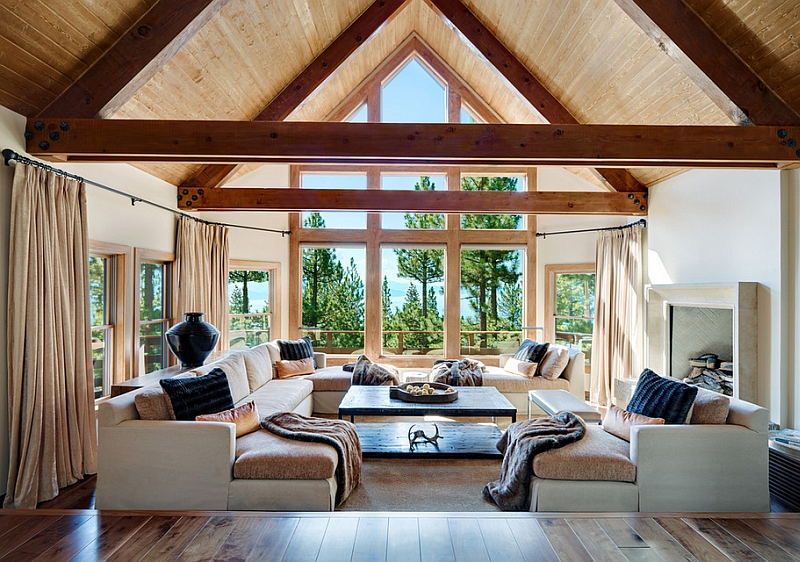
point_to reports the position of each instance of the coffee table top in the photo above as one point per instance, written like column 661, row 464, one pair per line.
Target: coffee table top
column 471, row 401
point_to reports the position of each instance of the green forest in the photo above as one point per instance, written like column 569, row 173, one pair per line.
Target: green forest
column 333, row 292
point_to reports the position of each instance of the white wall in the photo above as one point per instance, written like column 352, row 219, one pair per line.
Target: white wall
column 720, row 226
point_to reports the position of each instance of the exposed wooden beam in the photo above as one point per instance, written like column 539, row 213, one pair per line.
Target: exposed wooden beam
column 709, row 62
column 135, row 58
column 489, row 47
column 123, row 140
column 357, row 34
column 501, row 202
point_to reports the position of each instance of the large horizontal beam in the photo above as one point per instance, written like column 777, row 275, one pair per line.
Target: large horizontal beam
column 495, row 202
column 106, row 140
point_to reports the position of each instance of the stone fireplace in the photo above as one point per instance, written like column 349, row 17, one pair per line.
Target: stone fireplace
column 686, row 321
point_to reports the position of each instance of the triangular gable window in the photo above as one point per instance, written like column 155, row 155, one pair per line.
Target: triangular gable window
column 413, row 95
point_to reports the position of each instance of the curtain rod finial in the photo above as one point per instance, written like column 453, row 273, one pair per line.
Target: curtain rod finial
column 8, row 155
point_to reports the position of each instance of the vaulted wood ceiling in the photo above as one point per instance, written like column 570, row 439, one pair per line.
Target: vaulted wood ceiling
column 603, row 61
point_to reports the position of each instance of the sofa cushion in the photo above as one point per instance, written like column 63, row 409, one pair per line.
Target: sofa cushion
column 292, row 350
column 531, row 352
column 660, row 397
column 710, row 407
column 244, row 417
column 330, row 379
column 524, row 368
column 619, row 422
column 258, row 365
column 194, row 396
column 504, row 381
column 597, row 456
column 287, row 368
column 263, row 455
column 281, row 395
column 234, row 367
column 554, row 362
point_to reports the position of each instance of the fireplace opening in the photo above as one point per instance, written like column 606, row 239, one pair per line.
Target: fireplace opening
column 701, row 346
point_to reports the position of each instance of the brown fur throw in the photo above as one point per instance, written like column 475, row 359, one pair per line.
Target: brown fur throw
column 366, row 372
column 466, row 372
column 519, row 444
column 339, row 434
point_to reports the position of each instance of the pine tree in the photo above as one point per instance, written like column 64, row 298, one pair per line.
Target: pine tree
column 344, row 309
column 318, row 271
column 472, row 183
column 389, row 340
column 245, row 276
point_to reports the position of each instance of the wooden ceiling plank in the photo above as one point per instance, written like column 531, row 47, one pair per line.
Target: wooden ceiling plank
column 375, row 200
column 517, row 74
column 135, row 58
column 316, row 74
column 709, row 62
column 410, row 143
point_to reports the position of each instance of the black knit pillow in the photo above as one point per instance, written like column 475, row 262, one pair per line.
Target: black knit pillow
column 531, row 352
column 660, row 397
column 195, row 396
column 293, row 350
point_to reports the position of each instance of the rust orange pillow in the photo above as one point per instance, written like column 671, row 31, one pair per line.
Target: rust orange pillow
column 245, row 417
column 619, row 422
column 287, row 368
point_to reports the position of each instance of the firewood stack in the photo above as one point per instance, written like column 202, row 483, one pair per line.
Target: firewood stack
column 710, row 373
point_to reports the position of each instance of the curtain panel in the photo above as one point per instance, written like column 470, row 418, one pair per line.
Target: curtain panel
column 613, row 340
column 53, row 433
column 202, row 260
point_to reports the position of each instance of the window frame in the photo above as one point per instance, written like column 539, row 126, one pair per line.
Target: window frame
column 144, row 255
column 550, row 272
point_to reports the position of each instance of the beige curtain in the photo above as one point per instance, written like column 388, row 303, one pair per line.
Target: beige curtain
column 613, row 340
column 53, row 435
column 202, row 263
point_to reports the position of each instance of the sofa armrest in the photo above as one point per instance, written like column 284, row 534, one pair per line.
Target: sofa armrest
column 503, row 358
column 700, row 468
column 321, row 359
column 165, row 465
column 575, row 373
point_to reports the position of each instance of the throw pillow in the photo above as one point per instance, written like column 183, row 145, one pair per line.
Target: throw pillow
column 292, row 350
column 151, row 403
column 619, row 422
column 195, row 396
column 245, row 417
column 554, row 362
column 531, row 352
column 660, row 397
column 293, row 368
column 235, row 369
column 710, row 407
column 524, row 368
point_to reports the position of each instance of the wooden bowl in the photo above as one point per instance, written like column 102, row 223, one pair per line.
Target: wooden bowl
column 438, row 397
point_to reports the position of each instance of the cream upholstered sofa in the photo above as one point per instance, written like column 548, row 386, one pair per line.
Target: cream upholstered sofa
column 664, row 468
column 169, row 464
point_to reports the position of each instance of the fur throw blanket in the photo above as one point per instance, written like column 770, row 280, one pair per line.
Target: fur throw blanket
column 466, row 372
column 519, row 444
column 366, row 372
column 339, row 434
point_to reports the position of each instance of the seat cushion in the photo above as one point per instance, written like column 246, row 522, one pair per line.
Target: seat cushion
column 282, row 395
column 330, row 378
column 598, row 456
column 504, row 381
column 263, row 455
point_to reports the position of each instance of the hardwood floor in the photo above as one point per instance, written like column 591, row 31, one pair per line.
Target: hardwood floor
column 67, row 528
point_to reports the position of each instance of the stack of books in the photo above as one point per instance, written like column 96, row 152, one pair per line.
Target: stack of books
column 787, row 437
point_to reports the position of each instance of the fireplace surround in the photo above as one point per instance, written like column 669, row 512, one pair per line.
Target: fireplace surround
column 722, row 307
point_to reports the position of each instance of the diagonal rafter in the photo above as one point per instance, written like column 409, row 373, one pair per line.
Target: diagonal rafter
column 135, row 58
column 709, row 62
column 357, row 34
column 470, row 28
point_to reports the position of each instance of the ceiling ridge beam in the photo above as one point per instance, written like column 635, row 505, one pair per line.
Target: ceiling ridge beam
column 313, row 76
column 134, row 59
column 709, row 62
column 457, row 16
column 411, row 143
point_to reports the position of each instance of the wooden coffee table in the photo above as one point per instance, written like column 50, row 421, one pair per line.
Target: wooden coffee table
column 459, row 439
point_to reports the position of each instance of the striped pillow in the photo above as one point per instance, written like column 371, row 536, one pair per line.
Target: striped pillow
column 294, row 350
column 195, row 396
column 660, row 397
column 531, row 352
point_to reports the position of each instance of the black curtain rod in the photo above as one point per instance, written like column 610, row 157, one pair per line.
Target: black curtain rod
column 11, row 156
column 640, row 222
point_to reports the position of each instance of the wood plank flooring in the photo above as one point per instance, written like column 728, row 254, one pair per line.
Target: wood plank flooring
column 87, row 535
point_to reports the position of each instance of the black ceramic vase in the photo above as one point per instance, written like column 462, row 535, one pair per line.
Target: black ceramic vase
column 192, row 340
